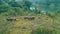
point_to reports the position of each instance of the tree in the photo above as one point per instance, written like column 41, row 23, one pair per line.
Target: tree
column 27, row 4
column 4, row 8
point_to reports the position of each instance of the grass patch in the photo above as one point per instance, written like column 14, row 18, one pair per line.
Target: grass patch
column 43, row 30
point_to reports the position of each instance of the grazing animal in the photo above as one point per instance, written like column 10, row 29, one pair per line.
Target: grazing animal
column 11, row 19
column 29, row 17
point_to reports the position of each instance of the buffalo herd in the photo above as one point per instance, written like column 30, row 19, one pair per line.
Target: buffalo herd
column 25, row 17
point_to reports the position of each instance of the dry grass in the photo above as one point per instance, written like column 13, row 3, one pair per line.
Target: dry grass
column 22, row 26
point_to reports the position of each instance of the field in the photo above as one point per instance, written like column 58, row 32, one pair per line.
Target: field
column 25, row 26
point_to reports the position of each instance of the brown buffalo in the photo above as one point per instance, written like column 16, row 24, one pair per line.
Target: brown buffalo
column 29, row 17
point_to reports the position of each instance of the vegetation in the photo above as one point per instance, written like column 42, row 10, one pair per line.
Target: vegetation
column 46, row 12
column 43, row 30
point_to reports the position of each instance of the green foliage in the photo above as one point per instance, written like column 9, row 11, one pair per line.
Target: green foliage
column 27, row 4
column 4, row 8
column 20, row 7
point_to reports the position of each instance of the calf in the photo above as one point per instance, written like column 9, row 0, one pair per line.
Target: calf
column 29, row 17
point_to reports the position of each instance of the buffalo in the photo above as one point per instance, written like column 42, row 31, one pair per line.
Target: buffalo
column 29, row 17
column 11, row 19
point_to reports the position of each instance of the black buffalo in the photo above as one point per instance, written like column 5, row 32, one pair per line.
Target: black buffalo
column 11, row 19
column 29, row 17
